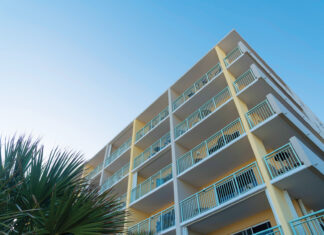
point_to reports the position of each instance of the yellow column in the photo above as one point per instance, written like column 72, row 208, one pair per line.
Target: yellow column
column 276, row 195
column 134, row 151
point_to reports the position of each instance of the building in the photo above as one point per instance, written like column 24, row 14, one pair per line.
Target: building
column 227, row 149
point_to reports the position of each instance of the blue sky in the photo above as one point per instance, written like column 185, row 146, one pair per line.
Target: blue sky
column 77, row 72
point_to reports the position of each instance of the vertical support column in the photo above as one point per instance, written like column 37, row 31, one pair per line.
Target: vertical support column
column 134, row 151
column 174, row 168
column 275, row 195
column 107, row 153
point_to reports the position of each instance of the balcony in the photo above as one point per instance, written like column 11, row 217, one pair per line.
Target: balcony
column 94, row 172
column 119, row 152
column 238, row 60
column 160, row 223
column 197, row 86
column 253, row 85
column 226, row 149
column 274, row 124
column 157, row 191
column 259, row 113
column 299, row 170
column 222, row 191
column 312, row 223
column 116, row 177
column 282, row 161
column 232, row 56
column 152, row 151
column 122, row 200
column 203, row 112
column 152, row 124
column 244, row 80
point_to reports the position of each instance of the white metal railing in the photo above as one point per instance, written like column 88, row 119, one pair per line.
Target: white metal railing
column 187, row 94
column 244, row 80
column 123, row 148
column 259, row 113
column 122, row 200
column 152, row 150
column 156, row 223
column 211, row 145
column 311, row 224
column 153, row 123
column 205, row 110
column 94, row 172
column 282, row 160
column 232, row 55
column 222, row 191
column 155, row 181
column 118, row 175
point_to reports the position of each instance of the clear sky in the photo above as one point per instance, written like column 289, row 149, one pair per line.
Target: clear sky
column 77, row 72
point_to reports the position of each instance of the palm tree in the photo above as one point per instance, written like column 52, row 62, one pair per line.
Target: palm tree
column 51, row 197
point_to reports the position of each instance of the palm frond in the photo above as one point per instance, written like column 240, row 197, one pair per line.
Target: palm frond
column 51, row 197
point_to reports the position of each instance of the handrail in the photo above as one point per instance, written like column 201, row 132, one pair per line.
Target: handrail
column 276, row 230
column 222, row 191
column 154, row 181
column 125, row 146
column 156, row 223
column 282, row 160
column 232, row 55
column 122, row 200
column 118, row 175
column 259, row 113
column 188, row 93
column 151, row 124
column 202, row 112
column 312, row 223
column 211, row 145
column 244, row 80
column 152, row 150
column 94, row 172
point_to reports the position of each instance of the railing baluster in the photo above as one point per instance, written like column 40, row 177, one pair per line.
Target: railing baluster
column 196, row 86
column 221, row 98
column 259, row 113
column 282, row 160
column 233, row 130
column 223, row 190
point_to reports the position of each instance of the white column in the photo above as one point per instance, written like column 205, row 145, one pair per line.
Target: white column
column 107, row 153
column 272, row 208
column 174, row 169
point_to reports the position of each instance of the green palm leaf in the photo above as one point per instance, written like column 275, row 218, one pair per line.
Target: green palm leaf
column 50, row 197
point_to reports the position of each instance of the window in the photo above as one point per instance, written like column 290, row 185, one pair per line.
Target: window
column 254, row 229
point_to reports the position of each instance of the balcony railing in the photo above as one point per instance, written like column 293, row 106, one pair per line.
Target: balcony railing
column 233, row 55
column 244, row 80
column 151, row 183
column 122, row 199
column 118, row 175
column 204, row 111
column 125, row 146
column 271, row 231
column 210, row 75
column 259, row 113
column 156, row 223
column 152, row 150
column 222, row 191
column 211, row 145
column 282, row 160
column 94, row 172
column 153, row 123
column 311, row 224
